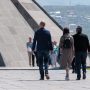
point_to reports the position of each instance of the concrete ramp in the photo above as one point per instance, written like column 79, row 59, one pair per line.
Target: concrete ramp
column 38, row 15
column 14, row 33
column 16, row 26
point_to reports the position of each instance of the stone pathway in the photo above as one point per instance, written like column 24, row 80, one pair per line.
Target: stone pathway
column 29, row 80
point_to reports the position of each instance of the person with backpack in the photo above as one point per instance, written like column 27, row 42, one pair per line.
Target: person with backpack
column 67, row 49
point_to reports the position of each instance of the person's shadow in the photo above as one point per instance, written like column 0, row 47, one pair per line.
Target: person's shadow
column 44, row 80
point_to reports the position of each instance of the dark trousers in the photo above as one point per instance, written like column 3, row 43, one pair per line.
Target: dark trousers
column 80, row 60
column 49, row 61
column 73, row 65
column 33, row 60
column 43, row 57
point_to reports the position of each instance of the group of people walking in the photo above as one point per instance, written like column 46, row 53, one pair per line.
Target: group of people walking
column 70, row 48
column 74, row 49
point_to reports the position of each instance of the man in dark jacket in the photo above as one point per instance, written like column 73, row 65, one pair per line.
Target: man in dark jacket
column 81, row 44
column 42, row 39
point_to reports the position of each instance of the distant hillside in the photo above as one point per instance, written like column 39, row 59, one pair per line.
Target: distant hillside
column 71, row 16
column 82, row 9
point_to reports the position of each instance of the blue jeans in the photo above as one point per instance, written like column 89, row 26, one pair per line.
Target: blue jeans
column 80, row 61
column 43, row 58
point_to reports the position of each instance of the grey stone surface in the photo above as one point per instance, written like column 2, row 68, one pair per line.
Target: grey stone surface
column 14, row 33
column 31, row 6
column 29, row 80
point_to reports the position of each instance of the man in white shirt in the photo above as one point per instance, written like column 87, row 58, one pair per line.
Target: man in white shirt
column 30, row 54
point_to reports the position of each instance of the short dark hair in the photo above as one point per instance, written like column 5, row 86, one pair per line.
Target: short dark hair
column 79, row 29
column 65, row 30
column 42, row 23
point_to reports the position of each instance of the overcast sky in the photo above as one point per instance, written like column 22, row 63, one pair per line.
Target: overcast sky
column 64, row 2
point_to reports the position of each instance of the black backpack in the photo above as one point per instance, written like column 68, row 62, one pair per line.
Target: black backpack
column 67, row 43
